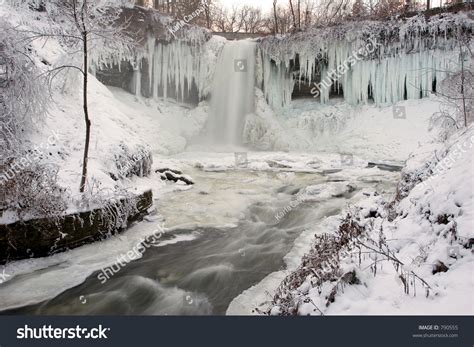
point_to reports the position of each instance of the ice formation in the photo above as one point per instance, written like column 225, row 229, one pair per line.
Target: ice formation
column 173, row 68
column 385, row 62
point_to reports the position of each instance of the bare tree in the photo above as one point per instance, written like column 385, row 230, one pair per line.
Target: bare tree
column 275, row 16
column 456, row 92
column 220, row 19
column 28, row 187
column 387, row 8
column 299, row 14
column 466, row 79
column 89, row 29
column 309, row 8
column 23, row 98
column 208, row 13
column 203, row 12
column 332, row 11
column 359, row 9
column 252, row 19
column 293, row 14
column 234, row 20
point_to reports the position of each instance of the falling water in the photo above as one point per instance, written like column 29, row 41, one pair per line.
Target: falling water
column 233, row 93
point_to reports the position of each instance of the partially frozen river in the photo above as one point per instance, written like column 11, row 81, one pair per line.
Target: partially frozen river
column 231, row 230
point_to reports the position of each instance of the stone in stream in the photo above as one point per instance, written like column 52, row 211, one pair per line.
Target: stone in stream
column 174, row 176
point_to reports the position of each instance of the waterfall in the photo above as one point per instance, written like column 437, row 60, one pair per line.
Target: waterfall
column 232, row 93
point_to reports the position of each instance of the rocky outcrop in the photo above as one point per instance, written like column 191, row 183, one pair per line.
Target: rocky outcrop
column 46, row 236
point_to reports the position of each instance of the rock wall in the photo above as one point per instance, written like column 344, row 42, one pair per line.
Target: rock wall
column 46, row 236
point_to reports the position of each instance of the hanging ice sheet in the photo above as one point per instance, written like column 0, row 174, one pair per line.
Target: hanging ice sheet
column 176, row 64
column 409, row 56
column 389, row 79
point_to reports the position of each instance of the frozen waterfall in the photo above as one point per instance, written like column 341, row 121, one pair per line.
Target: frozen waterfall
column 232, row 93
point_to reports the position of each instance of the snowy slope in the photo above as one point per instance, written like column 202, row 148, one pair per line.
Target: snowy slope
column 124, row 126
column 374, row 133
column 430, row 233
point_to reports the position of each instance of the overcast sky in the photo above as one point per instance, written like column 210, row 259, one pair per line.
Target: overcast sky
column 266, row 5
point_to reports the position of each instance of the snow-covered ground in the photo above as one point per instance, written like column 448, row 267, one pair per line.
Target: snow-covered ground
column 361, row 135
column 431, row 234
column 350, row 137
column 432, row 223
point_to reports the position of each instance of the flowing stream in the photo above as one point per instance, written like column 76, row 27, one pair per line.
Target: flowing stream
column 230, row 241
column 226, row 234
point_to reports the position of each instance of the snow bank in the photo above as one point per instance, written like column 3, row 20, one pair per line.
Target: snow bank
column 376, row 134
column 412, row 257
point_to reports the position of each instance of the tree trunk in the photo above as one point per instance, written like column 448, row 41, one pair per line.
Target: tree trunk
column 293, row 14
column 428, row 4
column 463, row 81
column 299, row 14
column 86, row 116
column 208, row 16
column 407, row 5
column 275, row 15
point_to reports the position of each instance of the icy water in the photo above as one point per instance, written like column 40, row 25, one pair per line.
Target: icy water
column 231, row 240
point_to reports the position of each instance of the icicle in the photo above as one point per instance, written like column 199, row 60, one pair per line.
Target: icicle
column 137, row 75
column 393, row 72
column 151, row 52
column 175, row 63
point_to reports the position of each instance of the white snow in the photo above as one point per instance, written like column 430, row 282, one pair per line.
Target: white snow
column 300, row 136
column 434, row 223
column 373, row 133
